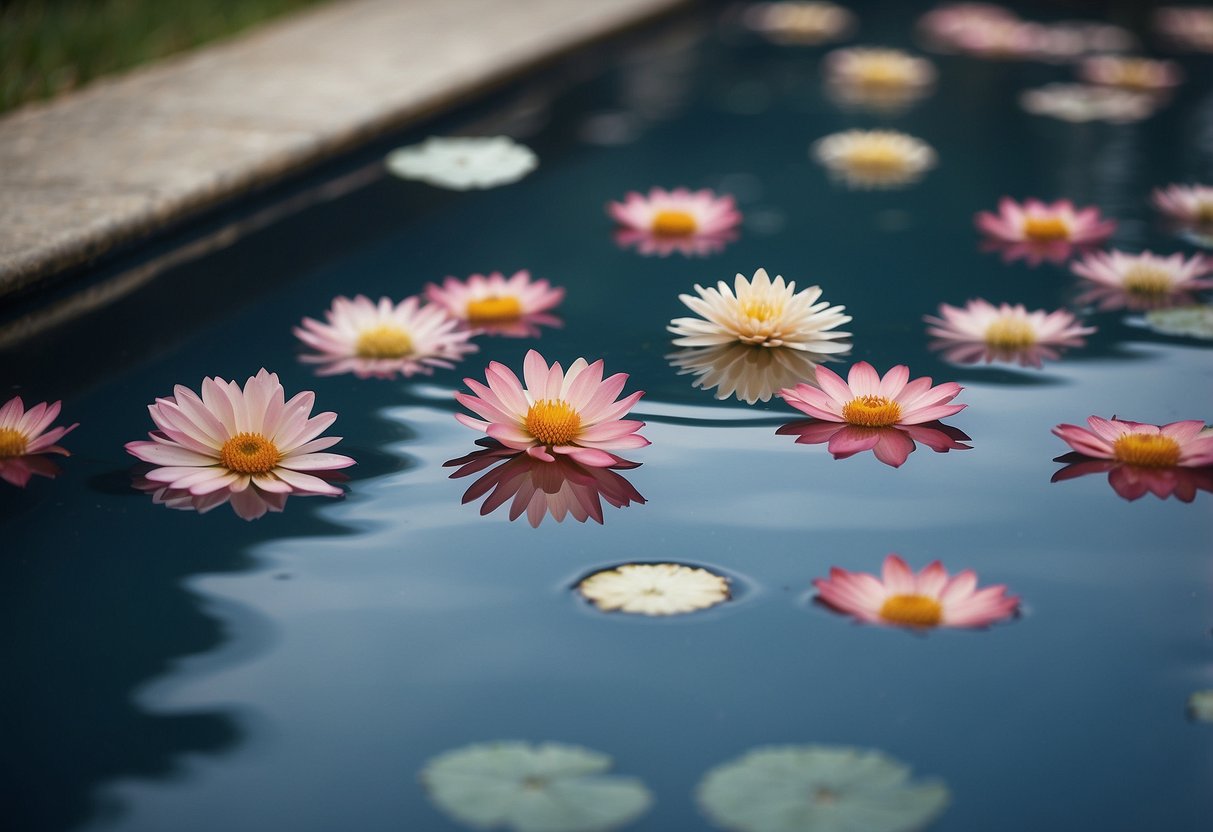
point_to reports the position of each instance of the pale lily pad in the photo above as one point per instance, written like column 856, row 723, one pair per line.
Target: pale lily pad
column 819, row 789
column 533, row 788
column 654, row 589
column 1193, row 321
column 1200, row 705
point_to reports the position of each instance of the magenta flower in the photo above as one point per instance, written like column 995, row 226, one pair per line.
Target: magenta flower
column 1163, row 459
column 560, row 488
column 891, row 445
column 515, row 308
column 1142, row 281
column 1036, row 231
column 26, row 436
column 690, row 222
column 574, row 413
column 922, row 601
column 384, row 339
column 982, row 332
column 867, row 400
column 232, row 440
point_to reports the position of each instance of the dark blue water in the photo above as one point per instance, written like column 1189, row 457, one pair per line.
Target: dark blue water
column 166, row 670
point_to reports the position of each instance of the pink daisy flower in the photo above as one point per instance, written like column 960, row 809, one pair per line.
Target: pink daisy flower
column 1036, row 231
column 690, row 222
column 984, row 332
column 384, row 339
column 1162, row 459
column 233, row 440
column 561, row 488
column 574, row 413
column 867, row 400
column 1190, row 208
column 931, row 598
column 1142, row 281
column 891, row 445
column 514, row 307
column 25, row 437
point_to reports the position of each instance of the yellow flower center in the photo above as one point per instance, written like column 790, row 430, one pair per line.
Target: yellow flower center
column 1136, row 74
column 384, row 341
column 871, row 412
column 249, row 453
column 876, row 156
column 1204, row 212
column 12, row 443
column 1010, row 334
column 912, row 610
column 762, row 310
column 1148, row 450
column 674, row 224
column 1045, row 229
column 494, row 308
column 553, row 422
column 880, row 71
column 1144, row 279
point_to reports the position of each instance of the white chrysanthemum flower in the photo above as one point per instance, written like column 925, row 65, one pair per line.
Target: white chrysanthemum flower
column 1190, row 321
column 465, row 162
column 883, row 80
column 1088, row 102
column 654, row 589
column 533, row 788
column 1200, row 705
column 800, row 22
column 874, row 158
column 749, row 373
column 827, row 789
column 763, row 313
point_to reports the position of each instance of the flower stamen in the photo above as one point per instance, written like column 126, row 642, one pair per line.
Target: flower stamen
column 249, row 453
column 12, row 443
column 1010, row 334
column 1045, row 229
column 1147, row 450
column 1147, row 280
column 494, row 309
column 553, row 422
column 674, row 224
column 384, row 341
column 912, row 610
column 871, row 411
column 762, row 311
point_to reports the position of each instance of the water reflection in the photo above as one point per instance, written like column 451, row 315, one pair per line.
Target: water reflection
column 250, row 504
column 1134, row 481
column 561, row 488
column 748, row 373
column 891, row 445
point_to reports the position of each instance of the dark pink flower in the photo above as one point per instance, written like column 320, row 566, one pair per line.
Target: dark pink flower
column 26, row 436
column 1036, row 231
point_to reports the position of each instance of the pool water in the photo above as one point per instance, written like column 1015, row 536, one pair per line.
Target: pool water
column 166, row 670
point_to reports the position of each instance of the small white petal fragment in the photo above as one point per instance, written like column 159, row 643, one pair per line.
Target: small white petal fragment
column 465, row 162
column 1192, row 321
column 654, row 589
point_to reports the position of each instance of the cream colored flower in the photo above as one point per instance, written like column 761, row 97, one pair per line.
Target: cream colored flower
column 1088, row 102
column 464, row 162
column 800, row 22
column 884, row 80
column 654, row 589
column 874, row 158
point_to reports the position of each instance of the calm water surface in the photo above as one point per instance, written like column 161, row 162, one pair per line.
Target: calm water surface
column 166, row 670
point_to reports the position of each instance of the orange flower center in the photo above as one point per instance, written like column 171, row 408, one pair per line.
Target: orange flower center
column 1147, row 280
column 384, row 341
column 674, row 224
column 1045, row 229
column 12, row 443
column 249, row 453
column 553, row 422
column 1136, row 74
column 493, row 309
column 1148, row 450
column 871, row 412
column 912, row 610
column 1010, row 334
column 1204, row 212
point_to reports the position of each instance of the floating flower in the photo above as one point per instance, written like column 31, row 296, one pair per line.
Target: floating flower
column 654, row 589
column 931, row 598
column 877, row 79
column 690, row 222
column 26, row 437
column 464, row 163
column 383, row 340
column 796, row 22
column 1138, row 74
column 573, row 413
column 533, row 788
column 1200, row 705
column 515, row 307
column 763, row 313
column 560, row 488
column 891, row 445
column 1142, row 281
column 232, row 439
column 867, row 400
column 1038, row 231
column 1186, row 27
column 749, row 373
column 1162, row 459
column 874, row 158
column 1189, row 321
column 983, row 332
column 1190, row 209
column 814, row 787
column 968, row 27
column 1071, row 39
column 1087, row 102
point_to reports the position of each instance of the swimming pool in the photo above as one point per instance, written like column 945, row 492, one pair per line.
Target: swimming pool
column 175, row 670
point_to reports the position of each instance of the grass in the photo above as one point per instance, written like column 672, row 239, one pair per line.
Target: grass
column 48, row 47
